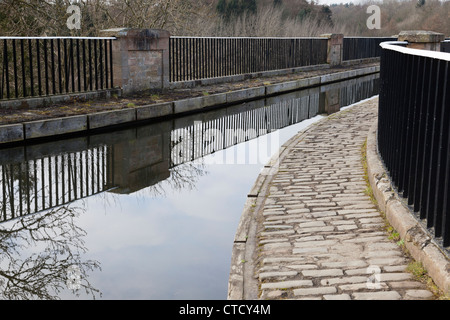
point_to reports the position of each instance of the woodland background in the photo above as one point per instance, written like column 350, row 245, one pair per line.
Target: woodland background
column 264, row 18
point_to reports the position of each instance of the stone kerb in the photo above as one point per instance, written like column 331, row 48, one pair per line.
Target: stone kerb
column 140, row 58
column 416, row 239
column 424, row 40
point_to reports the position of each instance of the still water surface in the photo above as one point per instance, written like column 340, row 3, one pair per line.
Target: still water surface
column 148, row 212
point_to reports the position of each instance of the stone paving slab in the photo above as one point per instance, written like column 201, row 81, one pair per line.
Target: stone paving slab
column 318, row 234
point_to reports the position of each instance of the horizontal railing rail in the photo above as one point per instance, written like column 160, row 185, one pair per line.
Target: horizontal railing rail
column 414, row 132
column 43, row 66
column 363, row 47
column 194, row 58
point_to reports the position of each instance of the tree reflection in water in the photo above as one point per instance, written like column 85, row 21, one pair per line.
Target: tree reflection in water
column 26, row 273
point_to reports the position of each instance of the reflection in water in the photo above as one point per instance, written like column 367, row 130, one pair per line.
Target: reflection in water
column 39, row 183
column 43, row 273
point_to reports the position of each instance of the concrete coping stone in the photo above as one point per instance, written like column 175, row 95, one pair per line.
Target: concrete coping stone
column 11, row 133
column 56, row 126
column 154, row 111
column 111, row 118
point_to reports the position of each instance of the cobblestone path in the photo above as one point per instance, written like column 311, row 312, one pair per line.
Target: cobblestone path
column 319, row 235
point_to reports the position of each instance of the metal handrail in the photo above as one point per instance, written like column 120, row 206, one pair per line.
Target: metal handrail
column 394, row 45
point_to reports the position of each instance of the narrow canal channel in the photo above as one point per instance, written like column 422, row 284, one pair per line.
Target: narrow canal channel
column 148, row 212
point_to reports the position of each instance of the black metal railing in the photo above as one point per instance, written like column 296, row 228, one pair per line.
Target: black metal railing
column 362, row 47
column 209, row 57
column 414, row 132
column 42, row 66
column 445, row 46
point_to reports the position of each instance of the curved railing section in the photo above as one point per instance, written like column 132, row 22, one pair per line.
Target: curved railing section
column 414, row 131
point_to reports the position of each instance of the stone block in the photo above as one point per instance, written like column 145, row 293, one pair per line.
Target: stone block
column 198, row 103
column 421, row 36
column 423, row 40
column 287, row 86
column 245, row 94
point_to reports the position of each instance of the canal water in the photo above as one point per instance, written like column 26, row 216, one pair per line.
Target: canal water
column 148, row 212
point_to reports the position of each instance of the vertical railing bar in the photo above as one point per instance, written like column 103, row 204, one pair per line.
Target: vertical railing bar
column 90, row 64
column 96, row 64
column 170, row 59
column 430, row 108
column 204, row 61
column 52, row 64
column 191, row 60
column 22, row 58
column 38, row 61
column 188, row 60
column 66, row 66
column 183, row 59
column 100, row 58
column 111, row 71
column 16, row 85
column 59, row 67
column 5, row 64
column 85, row 84
column 72, row 65
column 442, row 154
column 178, row 59
column 47, row 89
column 78, row 67
column 31, row 67
column 105, row 43
column 196, row 61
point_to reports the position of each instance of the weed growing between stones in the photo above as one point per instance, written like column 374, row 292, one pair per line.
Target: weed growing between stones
column 416, row 268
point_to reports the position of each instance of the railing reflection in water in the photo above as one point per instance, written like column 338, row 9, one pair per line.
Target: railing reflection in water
column 47, row 182
column 40, row 177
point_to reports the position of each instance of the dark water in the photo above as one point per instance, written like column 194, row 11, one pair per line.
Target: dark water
column 148, row 212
